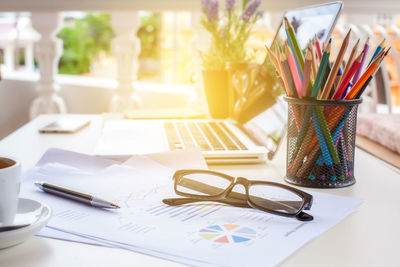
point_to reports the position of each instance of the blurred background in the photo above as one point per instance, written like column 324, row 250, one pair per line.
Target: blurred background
column 92, row 50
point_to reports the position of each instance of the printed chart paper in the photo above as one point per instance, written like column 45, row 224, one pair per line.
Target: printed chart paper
column 203, row 233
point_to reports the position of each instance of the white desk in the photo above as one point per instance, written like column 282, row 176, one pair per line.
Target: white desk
column 368, row 237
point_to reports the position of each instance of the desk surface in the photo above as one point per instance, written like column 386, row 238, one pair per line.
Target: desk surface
column 368, row 237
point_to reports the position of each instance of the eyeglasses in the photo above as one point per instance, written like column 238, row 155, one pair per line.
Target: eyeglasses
column 275, row 198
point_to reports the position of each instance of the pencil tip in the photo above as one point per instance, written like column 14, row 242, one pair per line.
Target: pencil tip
column 360, row 56
column 308, row 54
column 387, row 51
column 287, row 23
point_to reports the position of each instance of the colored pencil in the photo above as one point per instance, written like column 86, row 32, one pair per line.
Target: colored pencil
column 346, row 88
column 365, row 85
column 289, row 43
column 378, row 49
column 325, row 78
column 314, row 93
column 278, row 57
column 318, row 47
column 358, row 72
column 321, row 139
column 283, row 79
column 333, row 74
column 321, row 70
column 328, row 139
column 336, row 137
column 292, row 36
column 345, row 81
column 273, row 57
column 362, row 89
column 364, row 77
column 294, row 71
column 279, row 69
column 335, row 121
column 288, row 76
column 336, row 83
column 350, row 60
column 307, row 74
column 314, row 60
column 326, row 142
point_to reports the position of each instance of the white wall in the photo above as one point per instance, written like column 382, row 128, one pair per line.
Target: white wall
column 15, row 99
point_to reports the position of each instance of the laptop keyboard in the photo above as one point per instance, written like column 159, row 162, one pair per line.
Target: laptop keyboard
column 209, row 136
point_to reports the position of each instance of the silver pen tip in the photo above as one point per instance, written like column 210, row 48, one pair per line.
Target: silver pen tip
column 39, row 184
column 115, row 206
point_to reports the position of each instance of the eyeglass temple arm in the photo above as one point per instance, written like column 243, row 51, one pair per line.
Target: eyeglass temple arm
column 212, row 190
column 302, row 216
column 242, row 204
column 276, row 205
column 180, row 201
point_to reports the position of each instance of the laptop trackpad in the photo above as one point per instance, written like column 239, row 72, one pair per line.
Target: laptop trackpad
column 127, row 137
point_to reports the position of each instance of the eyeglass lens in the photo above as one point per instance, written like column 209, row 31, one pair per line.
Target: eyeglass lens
column 202, row 184
column 275, row 198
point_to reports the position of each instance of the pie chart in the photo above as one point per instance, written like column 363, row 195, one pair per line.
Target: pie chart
column 227, row 233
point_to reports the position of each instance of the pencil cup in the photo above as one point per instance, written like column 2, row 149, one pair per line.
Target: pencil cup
column 321, row 142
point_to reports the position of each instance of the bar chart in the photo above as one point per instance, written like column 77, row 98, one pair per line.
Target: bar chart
column 185, row 212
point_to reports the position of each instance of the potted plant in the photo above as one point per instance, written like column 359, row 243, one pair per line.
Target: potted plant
column 229, row 29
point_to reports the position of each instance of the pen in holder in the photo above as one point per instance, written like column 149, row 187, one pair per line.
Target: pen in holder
column 320, row 147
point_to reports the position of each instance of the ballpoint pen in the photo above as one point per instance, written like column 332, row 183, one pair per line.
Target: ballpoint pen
column 75, row 195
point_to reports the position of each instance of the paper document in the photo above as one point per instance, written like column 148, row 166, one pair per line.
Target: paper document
column 203, row 233
column 189, row 159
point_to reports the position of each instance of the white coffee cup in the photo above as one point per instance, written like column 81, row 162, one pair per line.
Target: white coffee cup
column 10, row 174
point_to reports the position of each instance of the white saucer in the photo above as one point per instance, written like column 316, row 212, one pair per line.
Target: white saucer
column 30, row 212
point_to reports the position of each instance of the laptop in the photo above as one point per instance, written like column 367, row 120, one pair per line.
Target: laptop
column 251, row 138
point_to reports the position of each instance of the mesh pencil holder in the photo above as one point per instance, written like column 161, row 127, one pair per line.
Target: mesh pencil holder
column 321, row 142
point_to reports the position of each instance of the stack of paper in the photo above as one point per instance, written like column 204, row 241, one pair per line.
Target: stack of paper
column 197, row 234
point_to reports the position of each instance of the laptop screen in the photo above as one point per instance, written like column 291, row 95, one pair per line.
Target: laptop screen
column 268, row 127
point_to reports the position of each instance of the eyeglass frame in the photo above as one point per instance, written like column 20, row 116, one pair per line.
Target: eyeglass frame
column 306, row 198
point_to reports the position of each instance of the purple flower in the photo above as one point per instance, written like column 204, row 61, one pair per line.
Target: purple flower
column 260, row 13
column 250, row 10
column 210, row 7
column 229, row 5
